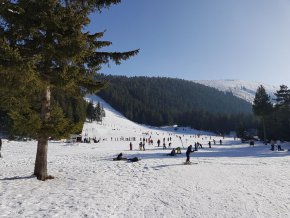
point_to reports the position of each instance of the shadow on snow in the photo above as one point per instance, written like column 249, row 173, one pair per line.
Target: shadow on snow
column 217, row 151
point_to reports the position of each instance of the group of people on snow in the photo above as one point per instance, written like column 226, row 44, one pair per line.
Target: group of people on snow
column 275, row 143
column 173, row 152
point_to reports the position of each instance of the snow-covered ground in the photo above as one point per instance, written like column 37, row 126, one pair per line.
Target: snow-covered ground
column 228, row 180
column 243, row 89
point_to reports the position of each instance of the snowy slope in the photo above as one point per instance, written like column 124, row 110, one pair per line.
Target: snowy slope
column 242, row 89
column 116, row 122
column 228, row 180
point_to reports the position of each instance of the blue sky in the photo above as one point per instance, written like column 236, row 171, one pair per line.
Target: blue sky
column 200, row 39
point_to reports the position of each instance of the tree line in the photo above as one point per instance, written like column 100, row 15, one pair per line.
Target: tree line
column 273, row 114
column 95, row 113
column 74, row 113
column 162, row 101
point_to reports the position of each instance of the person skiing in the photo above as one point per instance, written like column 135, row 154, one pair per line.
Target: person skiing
column 131, row 146
column 164, row 145
column 221, row 142
column 199, row 145
column 195, row 146
column 209, row 144
column 158, row 142
column 189, row 150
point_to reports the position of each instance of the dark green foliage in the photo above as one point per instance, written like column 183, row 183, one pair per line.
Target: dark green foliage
column 95, row 113
column 165, row 101
column 262, row 105
column 98, row 112
column 279, row 124
column 276, row 120
column 74, row 109
column 282, row 96
column 43, row 47
column 90, row 111
column 5, row 122
column 45, row 59
column 241, row 132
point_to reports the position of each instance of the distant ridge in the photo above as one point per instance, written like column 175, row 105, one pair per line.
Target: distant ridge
column 242, row 89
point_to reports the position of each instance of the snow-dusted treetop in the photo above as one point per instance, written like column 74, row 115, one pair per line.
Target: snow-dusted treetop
column 242, row 89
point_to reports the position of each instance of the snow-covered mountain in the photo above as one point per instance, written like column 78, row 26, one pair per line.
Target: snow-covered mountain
column 242, row 89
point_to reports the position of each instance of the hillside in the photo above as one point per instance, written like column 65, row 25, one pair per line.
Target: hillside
column 166, row 101
column 228, row 180
column 242, row 89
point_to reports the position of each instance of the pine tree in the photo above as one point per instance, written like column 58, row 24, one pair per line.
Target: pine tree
column 44, row 49
column 262, row 107
column 98, row 112
column 90, row 111
column 281, row 116
column 103, row 112
column 282, row 96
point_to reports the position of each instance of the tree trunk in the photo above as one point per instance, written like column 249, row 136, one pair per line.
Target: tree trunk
column 264, row 130
column 40, row 168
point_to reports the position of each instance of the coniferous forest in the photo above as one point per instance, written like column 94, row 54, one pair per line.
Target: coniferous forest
column 166, row 101
column 274, row 117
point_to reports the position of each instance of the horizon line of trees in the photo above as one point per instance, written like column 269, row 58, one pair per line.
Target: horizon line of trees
column 75, row 108
column 160, row 101
column 274, row 118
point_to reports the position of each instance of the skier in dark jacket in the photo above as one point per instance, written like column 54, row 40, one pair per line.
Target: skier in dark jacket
column 172, row 153
column 189, row 150
column 158, row 142
column 164, row 145
column 120, row 156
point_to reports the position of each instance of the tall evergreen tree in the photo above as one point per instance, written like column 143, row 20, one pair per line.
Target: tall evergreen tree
column 262, row 107
column 282, row 96
column 281, row 116
column 44, row 49
column 98, row 112
column 103, row 112
column 90, row 111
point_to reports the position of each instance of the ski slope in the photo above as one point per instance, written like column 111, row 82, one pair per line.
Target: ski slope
column 228, row 180
column 241, row 89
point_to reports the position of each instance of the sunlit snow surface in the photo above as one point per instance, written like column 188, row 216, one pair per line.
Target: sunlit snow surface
column 243, row 89
column 229, row 180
